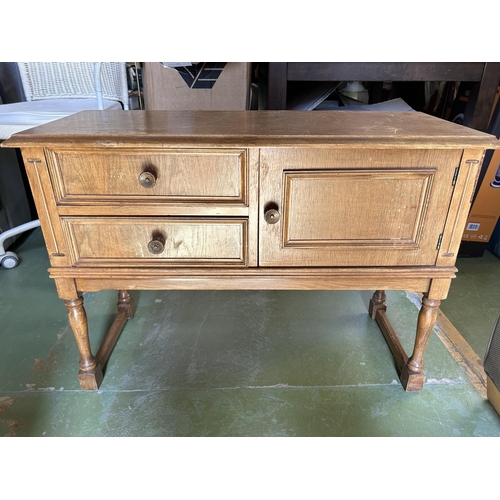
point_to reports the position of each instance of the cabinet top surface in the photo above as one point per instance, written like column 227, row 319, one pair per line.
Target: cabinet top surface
column 254, row 128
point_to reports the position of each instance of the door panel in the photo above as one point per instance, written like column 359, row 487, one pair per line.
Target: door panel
column 332, row 208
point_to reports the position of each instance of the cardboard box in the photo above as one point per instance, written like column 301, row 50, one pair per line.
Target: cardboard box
column 205, row 86
column 485, row 210
column 493, row 394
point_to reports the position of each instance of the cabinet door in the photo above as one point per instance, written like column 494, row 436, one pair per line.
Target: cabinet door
column 343, row 207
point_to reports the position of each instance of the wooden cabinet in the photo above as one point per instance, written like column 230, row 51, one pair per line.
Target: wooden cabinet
column 252, row 200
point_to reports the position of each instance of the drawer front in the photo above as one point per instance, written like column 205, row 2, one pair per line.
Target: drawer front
column 201, row 175
column 354, row 208
column 113, row 241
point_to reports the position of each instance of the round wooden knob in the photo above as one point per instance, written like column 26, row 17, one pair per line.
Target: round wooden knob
column 147, row 179
column 272, row 216
column 156, row 245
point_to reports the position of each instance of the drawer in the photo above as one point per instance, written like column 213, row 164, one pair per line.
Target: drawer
column 114, row 241
column 197, row 175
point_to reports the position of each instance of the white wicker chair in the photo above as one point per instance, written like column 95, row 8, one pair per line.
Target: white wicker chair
column 54, row 90
column 81, row 80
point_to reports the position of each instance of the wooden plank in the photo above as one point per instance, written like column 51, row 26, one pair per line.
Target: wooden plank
column 461, row 352
column 100, row 131
column 152, row 208
column 485, row 97
column 400, row 273
column 246, row 283
column 375, row 71
column 111, row 338
column 392, row 339
column 277, row 85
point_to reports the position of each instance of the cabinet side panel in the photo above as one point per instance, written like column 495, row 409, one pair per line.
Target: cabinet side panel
column 43, row 196
column 460, row 206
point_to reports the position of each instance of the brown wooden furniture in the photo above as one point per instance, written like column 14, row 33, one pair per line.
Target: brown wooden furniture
column 252, row 200
column 486, row 76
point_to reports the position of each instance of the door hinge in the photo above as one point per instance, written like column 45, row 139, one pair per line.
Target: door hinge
column 455, row 176
column 439, row 241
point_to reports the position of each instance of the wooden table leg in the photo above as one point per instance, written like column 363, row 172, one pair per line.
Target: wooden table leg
column 412, row 374
column 410, row 370
column 125, row 304
column 377, row 303
column 90, row 374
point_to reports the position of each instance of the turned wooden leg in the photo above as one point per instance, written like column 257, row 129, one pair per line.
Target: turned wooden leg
column 90, row 374
column 411, row 370
column 377, row 303
column 412, row 373
column 125, row 303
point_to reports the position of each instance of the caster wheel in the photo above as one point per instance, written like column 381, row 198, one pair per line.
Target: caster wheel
column 9, row 260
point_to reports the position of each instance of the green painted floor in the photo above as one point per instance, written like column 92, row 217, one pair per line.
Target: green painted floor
column 246, row 363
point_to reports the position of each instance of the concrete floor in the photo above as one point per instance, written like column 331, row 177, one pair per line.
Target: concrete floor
column 246, row 363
